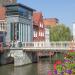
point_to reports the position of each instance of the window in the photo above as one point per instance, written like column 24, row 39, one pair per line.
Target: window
column 12, row 8
column 29, row 15
column 42, row 33
column 0, row 26
column 14, row 33
column 41, row 25
column 39, row 33
column 3, row 26
column 35, row 34
column 23, row 12
column 1, row 38
column 17, row 31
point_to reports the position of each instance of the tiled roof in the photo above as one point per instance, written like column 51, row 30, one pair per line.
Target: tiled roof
column 50, row 21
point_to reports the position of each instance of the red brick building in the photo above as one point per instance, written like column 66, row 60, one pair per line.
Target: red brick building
column 2, row 26
column 38, row 27
column 2, row 13
column 51, row 22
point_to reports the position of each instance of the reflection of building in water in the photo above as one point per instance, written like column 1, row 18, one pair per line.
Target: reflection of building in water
column 25, row 70
column 42, row 68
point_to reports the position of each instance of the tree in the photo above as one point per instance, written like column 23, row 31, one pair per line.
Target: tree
column 60, row 33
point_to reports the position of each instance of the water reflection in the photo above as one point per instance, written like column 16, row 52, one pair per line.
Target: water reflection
column 6, row 70
column 43, row 68
column 40, row 68
column 26, row 70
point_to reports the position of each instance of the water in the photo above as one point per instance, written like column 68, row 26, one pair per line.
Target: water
column 40, row 68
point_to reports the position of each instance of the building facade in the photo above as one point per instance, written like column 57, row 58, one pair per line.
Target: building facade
column 2, row 13
column 51, row 22
column 74, row 31
column 47, row 34
column 19, row 23
column 2, row 24
column 3, row 29
column 38, row 27
column 4, row 2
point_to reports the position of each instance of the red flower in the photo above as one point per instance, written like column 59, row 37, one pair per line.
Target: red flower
column 55, row 65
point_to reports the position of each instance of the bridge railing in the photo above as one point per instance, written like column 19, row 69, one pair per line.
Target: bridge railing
column 49, row 45
column 60, row 44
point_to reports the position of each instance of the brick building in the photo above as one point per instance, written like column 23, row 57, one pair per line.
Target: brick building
column 51, row 22
column 2, row 24
column 38, row 27
column 2, row 13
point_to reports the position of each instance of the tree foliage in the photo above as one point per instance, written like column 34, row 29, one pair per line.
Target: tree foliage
column 60, row 33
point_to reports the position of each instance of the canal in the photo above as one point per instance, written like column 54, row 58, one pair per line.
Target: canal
column 40, row 68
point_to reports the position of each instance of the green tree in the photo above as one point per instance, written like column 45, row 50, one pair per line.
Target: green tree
column 60, row 33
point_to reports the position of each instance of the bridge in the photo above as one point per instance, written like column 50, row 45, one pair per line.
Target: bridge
column 39, row 46
column 27, row 52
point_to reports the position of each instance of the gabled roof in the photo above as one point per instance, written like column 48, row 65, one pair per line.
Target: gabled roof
column 36, row 17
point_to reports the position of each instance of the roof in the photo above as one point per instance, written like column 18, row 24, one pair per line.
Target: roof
column 36, row 17
column 21, row 5
column 50, row 21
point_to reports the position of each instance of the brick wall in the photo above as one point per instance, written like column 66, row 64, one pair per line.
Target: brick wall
column 2, row 13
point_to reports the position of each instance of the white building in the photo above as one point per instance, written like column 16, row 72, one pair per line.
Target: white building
column 47, row 34
column 19, row 23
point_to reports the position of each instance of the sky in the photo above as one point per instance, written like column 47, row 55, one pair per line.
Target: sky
column 64, row 10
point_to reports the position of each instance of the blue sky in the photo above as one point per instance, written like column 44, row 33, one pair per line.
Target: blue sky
column 64, row 10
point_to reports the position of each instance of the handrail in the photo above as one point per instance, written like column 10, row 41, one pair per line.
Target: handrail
column 41, row 45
